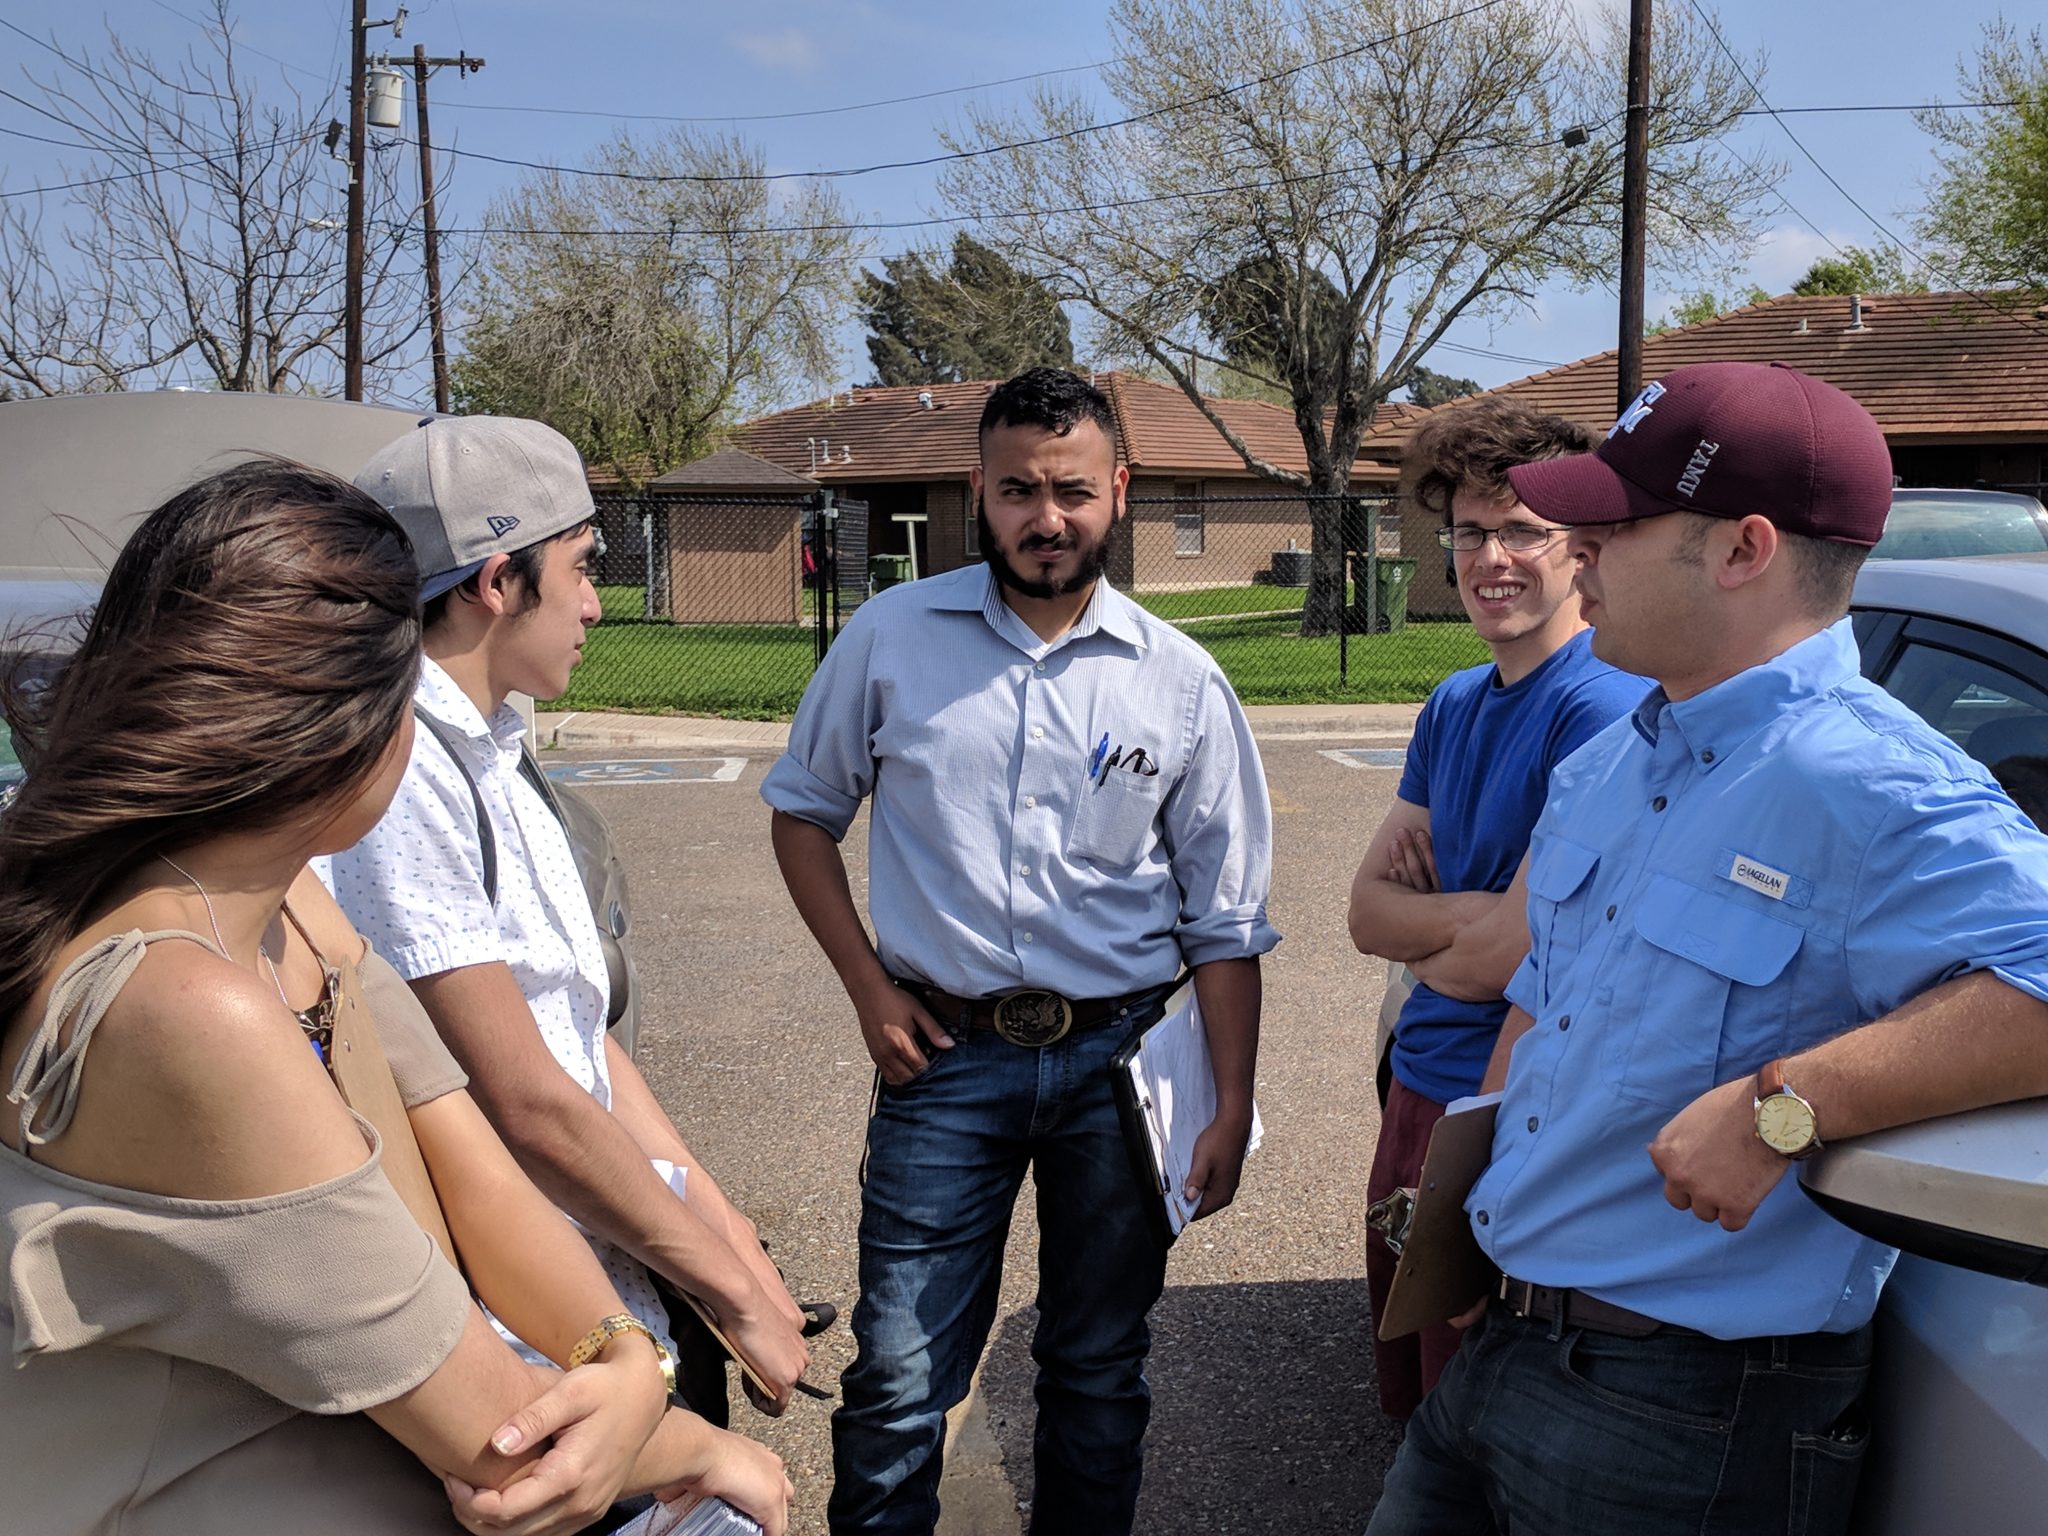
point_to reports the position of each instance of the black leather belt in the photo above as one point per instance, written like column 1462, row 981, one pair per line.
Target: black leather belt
column 1575, row 1309
column 1030, row 1017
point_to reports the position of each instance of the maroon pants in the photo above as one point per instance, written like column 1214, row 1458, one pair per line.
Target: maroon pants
column 1408, row 1367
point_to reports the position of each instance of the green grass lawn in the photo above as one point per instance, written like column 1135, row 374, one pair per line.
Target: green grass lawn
column 1220, row 600
column 758, row 671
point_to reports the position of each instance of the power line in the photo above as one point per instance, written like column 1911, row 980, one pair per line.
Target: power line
column 991, row 149
column 1893, row 240
column 777, row 117
column 878, row 226
column 1889, row 106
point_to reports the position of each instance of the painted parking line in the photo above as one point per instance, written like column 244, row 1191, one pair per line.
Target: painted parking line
column 1368, row 757
column 648, row 770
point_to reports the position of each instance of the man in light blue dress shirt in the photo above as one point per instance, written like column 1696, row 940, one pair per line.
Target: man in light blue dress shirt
column 1770, row 907
column 1067, row 810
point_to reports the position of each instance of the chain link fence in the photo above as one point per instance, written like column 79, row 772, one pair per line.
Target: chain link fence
column 724, row 604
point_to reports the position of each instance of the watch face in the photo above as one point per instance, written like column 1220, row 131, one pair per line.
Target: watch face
column 1784, row 1123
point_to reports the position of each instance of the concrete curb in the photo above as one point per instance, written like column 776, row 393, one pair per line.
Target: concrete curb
column 688, row 735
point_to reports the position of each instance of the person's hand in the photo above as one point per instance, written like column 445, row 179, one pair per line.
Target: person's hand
column 1411, row 861
column 747, row 1476
column 753, row 1253
column 1712, row 1161
column 1471, row 1314
column 599, row 1416
column 1217, row 1164
column 894, row 1025
column 773, row 1344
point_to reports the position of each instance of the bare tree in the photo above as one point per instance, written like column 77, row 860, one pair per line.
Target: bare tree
column 646, row 304
column 1397, row 157
column 200, row 235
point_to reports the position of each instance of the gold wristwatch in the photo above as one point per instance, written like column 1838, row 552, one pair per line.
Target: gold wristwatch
column 593, row 1344
column 1785, row 1122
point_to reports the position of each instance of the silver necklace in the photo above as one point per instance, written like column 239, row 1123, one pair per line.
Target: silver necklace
column 214, row 922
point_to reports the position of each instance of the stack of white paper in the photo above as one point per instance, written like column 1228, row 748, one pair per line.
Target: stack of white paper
column 706, row 1517
column 1176, row 1087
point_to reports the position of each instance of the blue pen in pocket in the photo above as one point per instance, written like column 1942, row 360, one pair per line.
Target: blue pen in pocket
column 1095, row 757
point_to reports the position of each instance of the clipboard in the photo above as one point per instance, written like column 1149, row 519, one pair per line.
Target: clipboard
column 1442, row 1269
column 1164, row 1084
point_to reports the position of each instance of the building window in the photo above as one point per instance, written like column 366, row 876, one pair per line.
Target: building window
column 1187, row 518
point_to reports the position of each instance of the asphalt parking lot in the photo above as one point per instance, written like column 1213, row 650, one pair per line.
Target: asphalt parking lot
column 1264, row 1416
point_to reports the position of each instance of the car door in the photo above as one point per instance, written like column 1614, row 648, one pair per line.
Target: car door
column 1959, row 1420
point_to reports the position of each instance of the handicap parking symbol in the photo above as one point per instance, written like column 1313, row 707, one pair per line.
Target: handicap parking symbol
column 625, row 772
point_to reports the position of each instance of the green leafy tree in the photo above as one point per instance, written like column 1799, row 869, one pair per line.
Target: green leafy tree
column 1701, row 307
column 1987, row 206
column 1428, row 387
column 1312, row 195
column 979, row 318
column 1857, row 270
column 639, row 346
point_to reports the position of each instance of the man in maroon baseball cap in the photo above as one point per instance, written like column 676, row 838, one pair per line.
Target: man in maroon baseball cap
column 1772, row 906
column 1724, row 518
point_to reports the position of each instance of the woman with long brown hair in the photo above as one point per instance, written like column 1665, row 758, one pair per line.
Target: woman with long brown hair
column 223, row 1314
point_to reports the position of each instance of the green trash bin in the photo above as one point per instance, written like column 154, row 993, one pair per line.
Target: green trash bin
column 887, row 571
column 1393, row 577
column 1390, row 578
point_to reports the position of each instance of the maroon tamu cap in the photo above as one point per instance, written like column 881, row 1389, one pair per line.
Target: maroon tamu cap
column 1728, row 440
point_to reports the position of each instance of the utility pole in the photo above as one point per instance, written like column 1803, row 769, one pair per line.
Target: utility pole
column 358, row 137
column 1635, row 177
column 358, row 133
column 420, row 65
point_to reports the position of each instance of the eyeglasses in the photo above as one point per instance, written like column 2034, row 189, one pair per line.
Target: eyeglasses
column 1518, row 537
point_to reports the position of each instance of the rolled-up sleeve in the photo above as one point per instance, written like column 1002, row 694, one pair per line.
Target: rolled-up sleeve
column 1956, row 880
column 1219, row 834
column 829, row 766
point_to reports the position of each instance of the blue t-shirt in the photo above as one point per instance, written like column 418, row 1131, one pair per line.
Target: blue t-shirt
column 1480, row 764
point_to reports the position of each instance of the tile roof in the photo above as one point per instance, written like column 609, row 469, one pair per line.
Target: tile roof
column 1931, row 367
column 887, row 433
column 732, row 469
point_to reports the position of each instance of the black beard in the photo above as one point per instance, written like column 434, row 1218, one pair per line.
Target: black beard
column 1093, row 564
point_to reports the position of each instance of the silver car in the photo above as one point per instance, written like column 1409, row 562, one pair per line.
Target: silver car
column 80, row 471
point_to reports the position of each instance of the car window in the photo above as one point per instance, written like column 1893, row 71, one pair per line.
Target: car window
column 1996, row 716
column 1927, row 526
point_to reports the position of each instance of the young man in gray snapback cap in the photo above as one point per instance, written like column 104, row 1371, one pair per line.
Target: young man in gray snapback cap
column 509, row 963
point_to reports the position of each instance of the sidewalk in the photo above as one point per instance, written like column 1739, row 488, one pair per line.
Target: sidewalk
column 687, row 734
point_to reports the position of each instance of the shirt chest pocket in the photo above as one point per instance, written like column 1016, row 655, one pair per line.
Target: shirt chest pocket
column 1113, row 824
column 1559, row 871
column 1697, row 1017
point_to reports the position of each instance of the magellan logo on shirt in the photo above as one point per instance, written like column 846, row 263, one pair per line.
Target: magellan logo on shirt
column 1759, row 877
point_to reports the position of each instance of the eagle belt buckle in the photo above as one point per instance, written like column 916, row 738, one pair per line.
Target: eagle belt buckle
column 1033, row 1018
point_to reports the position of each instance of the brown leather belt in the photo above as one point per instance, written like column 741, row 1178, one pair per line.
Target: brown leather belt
column 1030, row 1017
column 1575, row 1309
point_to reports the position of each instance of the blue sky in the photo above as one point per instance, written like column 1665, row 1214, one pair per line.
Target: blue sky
column 729, row 62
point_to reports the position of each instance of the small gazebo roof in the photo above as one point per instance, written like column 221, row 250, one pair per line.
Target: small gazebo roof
column 732, row 469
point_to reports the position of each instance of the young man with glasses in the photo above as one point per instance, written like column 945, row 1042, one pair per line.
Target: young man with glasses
column 1437, row 888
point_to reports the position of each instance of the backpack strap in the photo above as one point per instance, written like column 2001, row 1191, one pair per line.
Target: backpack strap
column 487, row 840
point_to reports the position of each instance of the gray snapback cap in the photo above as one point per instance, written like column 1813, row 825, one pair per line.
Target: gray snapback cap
column 465, row 488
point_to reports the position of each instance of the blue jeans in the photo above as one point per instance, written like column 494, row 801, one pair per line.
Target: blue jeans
column 946, row 1156
column 1536, row 1430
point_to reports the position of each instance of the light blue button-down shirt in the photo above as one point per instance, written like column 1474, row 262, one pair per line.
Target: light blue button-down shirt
column 1713, row 884
column 995, row 860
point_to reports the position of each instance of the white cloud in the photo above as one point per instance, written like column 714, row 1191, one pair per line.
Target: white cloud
column 790, row 49
column 1783, row 254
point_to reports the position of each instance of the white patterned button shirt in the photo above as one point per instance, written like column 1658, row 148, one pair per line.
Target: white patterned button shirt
column 414, row 887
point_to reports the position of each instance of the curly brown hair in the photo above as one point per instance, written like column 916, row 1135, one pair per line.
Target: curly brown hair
column 1472, row 448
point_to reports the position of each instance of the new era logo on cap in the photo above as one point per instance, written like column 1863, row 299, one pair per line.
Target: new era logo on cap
column 1729, row 440
column 468, row 487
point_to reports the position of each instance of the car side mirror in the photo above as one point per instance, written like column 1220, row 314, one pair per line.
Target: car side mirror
column 1969, row 1190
